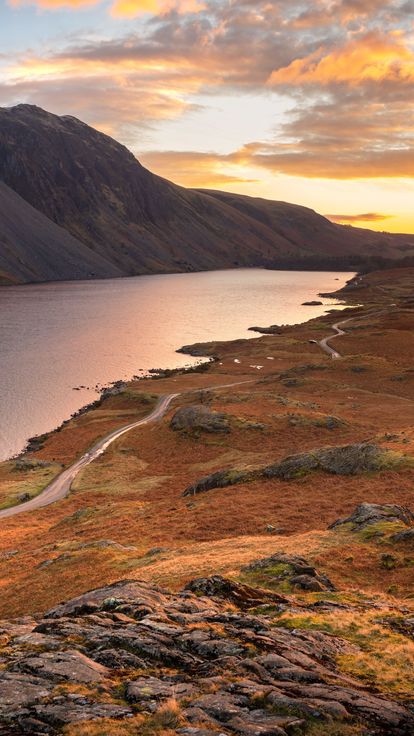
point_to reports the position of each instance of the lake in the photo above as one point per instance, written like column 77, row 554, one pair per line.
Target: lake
column 55, row 337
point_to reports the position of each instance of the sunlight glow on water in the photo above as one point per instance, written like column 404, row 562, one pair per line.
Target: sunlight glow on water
column 54, row 337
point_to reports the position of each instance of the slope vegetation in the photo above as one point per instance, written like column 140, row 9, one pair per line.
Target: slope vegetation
column 34, row 248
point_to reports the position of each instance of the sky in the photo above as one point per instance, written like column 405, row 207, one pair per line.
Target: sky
column 306, row 102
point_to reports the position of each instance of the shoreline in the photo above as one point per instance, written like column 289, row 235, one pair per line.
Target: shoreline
column 298, row 400
column 59, row 404
column 35, row 443
column 306, row 266
column 195, row 350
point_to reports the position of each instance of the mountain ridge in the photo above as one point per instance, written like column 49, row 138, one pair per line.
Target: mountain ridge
column 127, row 221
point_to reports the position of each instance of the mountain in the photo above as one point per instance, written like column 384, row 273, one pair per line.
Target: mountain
column 32, row 246
column 76, row 204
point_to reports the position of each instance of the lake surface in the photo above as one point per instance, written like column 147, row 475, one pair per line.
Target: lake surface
column 54, row 337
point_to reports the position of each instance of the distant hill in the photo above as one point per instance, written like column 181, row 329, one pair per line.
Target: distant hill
column 76, row 204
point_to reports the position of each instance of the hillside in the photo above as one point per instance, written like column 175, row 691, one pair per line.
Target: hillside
column 313, row 234
column 34, row 248
column 251, row 551
column 126, row 220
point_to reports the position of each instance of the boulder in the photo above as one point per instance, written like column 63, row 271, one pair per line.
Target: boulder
column 199, row 418
column 294, row 569
column 241, row 595
column 330, row 422
column 346, row 460
column 220, row 479
column 118, row 595
column 23, row 497
column 367, row 514
column 405, row 536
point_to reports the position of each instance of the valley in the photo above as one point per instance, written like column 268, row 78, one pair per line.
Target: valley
column 76, row 204
column 233, row 483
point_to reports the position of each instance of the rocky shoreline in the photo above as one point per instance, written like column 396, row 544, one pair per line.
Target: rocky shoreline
column 197, row 350
column 36, row 443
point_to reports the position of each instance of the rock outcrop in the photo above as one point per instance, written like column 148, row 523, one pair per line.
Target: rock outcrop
column 124, row 651
column 243, row 596
column 405, row 536
column 199, row 418
column 368, row 514
column 346, row 460
column 272, row 330
column 293, row 569
column 220, row 479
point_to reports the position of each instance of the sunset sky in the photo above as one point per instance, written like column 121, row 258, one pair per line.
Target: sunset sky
column 308, row 102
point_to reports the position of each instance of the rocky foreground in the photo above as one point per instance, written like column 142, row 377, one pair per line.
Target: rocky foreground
column 205, row 661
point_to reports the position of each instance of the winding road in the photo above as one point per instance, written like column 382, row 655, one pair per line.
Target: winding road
column 61, row 485
column 324, row 343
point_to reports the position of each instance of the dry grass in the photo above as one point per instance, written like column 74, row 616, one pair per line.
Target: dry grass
column 382, row 658
column 133, row 494
column 14, row 482
column 106, row 727
column 164, row 722
column 167, row 716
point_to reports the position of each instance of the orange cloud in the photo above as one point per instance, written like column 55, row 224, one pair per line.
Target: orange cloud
column 198, row 169
column 352, row 116
column 132, row 8
column 330, row 164
column 195, row 169
column 367, row 217
column 373, row 58
column 55, row 4
column 120, row 8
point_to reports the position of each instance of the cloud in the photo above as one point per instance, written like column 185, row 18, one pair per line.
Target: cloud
column 133, row 8
column 127, row 111
column 367, row 217
column 190, row 167
column 345, row 66
column 343, row 12
column 194, row 169
column 55, row 4
column 371, row 57
column 119, row 8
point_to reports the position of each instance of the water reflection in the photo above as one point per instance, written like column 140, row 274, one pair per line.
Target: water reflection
column 57, row 336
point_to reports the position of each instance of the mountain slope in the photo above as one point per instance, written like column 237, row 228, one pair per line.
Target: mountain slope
column 33, row 248
column 137, row 222
column 313, row 233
